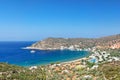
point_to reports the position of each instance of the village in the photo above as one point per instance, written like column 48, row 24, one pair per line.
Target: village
column 81, row 69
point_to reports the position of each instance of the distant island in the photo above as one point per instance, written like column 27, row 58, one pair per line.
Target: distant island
column 109, row 42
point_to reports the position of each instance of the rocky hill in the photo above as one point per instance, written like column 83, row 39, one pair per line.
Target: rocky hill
column 109, row 42
column 78, row 43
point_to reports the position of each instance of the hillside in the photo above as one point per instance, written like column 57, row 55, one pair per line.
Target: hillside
column 106, row 71
column 58, row 43
column 109, row 42
column 78, row 43
column 13, row 72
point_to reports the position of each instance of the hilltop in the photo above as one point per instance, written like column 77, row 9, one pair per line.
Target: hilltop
column 107, row 42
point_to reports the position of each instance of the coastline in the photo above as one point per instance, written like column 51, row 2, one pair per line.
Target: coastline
column 65, row 61
column 73, row 61
column 62, row 62
column 34, row 48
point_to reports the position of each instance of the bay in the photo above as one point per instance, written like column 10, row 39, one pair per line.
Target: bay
column 12, row 53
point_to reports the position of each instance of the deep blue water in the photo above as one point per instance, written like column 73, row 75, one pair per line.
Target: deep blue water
column 12, row 53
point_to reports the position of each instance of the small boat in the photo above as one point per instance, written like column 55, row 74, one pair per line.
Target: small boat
column 32, row 51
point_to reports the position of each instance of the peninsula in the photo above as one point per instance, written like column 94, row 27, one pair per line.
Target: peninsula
column 112, row 42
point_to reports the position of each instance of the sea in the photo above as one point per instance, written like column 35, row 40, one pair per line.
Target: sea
column 13, row 53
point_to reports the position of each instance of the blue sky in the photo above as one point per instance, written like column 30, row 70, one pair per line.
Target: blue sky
column 29, row 20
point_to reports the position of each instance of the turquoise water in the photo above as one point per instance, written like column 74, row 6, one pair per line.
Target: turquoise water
column 93, row 60
column 12, row 53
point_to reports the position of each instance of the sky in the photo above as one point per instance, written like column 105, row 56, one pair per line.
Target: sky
column 33, row 20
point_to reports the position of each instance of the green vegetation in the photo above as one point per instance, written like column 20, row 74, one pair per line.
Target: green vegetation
column 105, row 71
column 114, row 52
column 89, row 64
column 111, row 71
column 11, row 72
column 108, row 71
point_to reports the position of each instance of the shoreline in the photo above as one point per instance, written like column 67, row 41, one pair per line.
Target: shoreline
column 72, row 61
column 57, row 62
column 33, row 48
column 61, row 62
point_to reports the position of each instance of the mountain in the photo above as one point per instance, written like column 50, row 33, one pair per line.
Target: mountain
column 78, row 43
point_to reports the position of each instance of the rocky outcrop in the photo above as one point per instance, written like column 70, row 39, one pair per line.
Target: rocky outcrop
column 78, row 43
